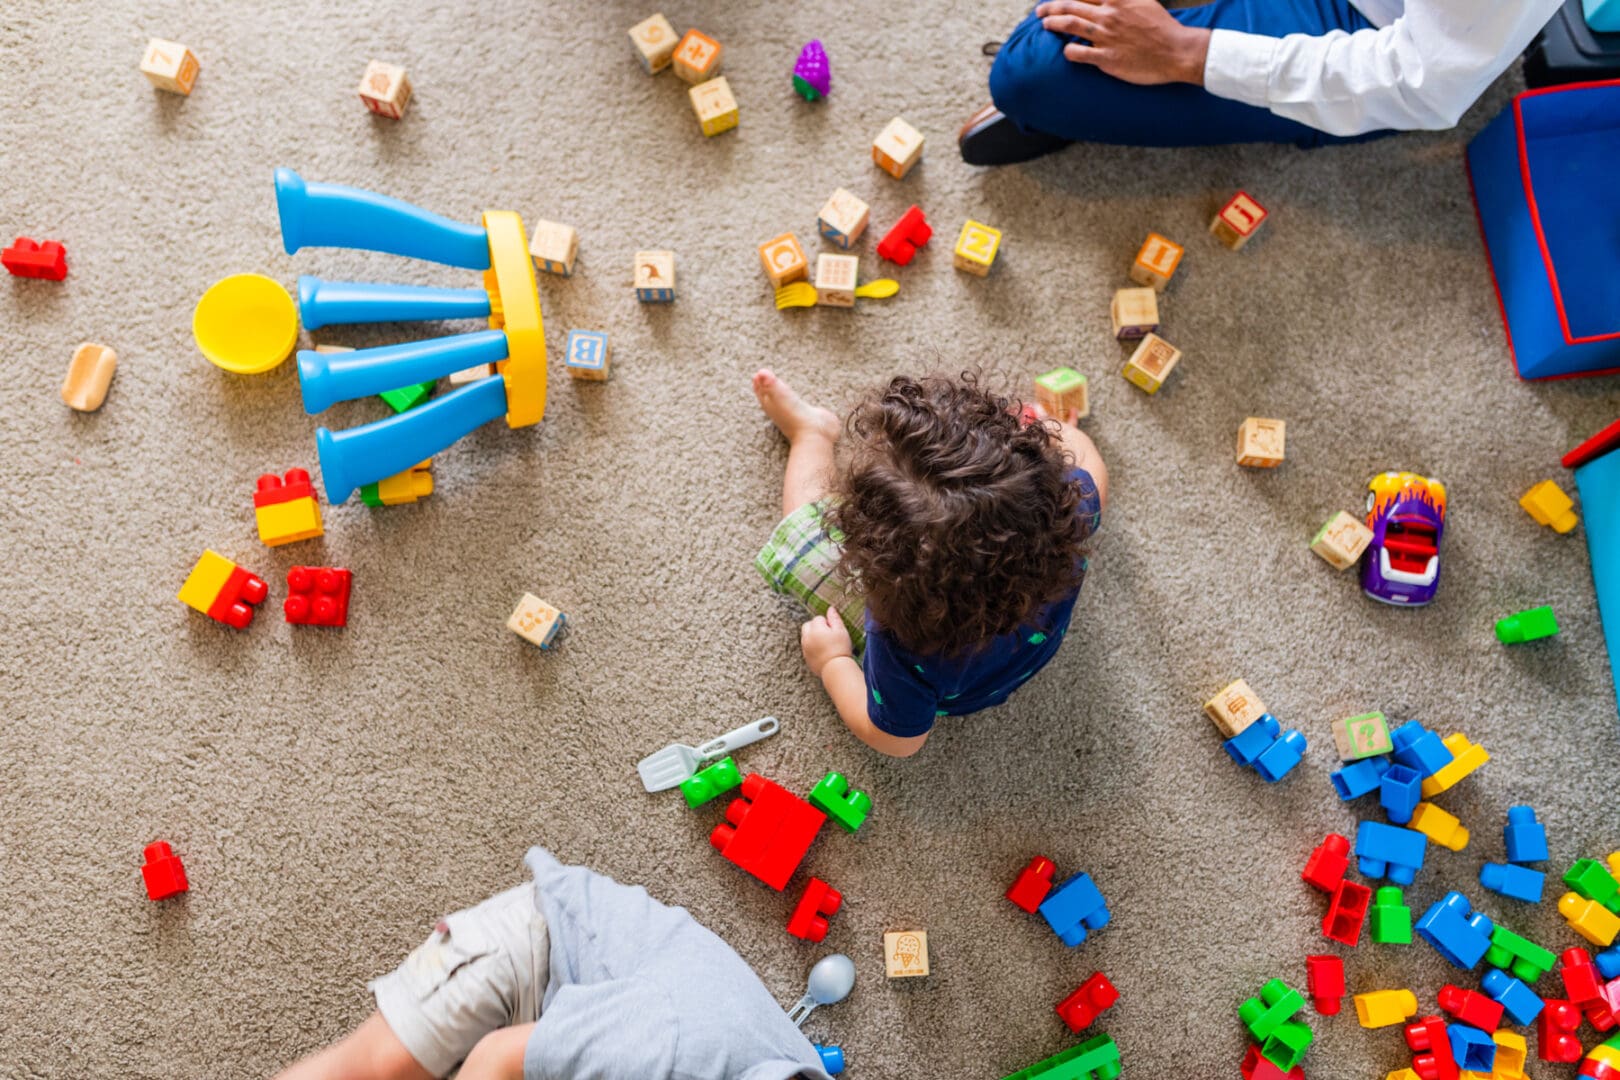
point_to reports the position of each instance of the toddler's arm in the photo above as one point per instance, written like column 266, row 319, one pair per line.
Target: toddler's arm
column 1082, row 450
column 831, row 657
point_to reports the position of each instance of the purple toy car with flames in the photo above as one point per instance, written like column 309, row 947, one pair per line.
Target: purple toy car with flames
column 1407, row 515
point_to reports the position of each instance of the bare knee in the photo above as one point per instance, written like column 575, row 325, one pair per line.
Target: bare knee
column 498, row 1055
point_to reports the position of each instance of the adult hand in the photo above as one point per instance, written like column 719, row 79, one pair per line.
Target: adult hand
column 824, row 639
column 1137, row 41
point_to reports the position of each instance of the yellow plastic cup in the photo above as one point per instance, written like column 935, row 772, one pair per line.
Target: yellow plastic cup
column 246, row 324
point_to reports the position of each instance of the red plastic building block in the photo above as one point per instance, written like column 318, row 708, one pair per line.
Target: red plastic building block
column 1597, row 1069
column 1555, row 1032
column 1256, row 1067
column 1034, row 882
column 819, row 903
column 220, row 589
column 25, row 258
column 1347, row 912
column 1584, row 988
column 1080, row 1009
column 1328, row 863
column 1324, row 981
column 1471, row 1007
column 1433, row 1060
column 274, row 489
column 900, row 244
column 162, row 872
column 318, row 596
column 767, row 831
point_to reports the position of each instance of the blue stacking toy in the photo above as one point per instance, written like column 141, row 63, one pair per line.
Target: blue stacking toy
column 1516, row 999
column 1272, row 751
column 1074, row 907
column 1280, row 757
column 1514, row 882
column 1456, row 931
column 1252, row 741
column 1608, row 963
column 1387, row 850
column 1359, row 777
column 1473, row 1049
column 1416, row 747
column 1399, row 792
column 1526, row 838
column 832, row 1058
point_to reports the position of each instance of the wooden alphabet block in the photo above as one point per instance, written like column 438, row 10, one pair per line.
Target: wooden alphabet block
column 843, row 219
column 554, row 247
column 905, row 954
column 1157, row 261
column 1357, row 737
column 654, row 40
column 385, row 90
column 1135, row 313
column 976, row 248
column 715, row 107
column 536, row 621
column 169, row 65
column 471, row 374
column 836, row 278
column 655, row 276
column 1238, row 220
column 897, row 148
column 1341, row 541
column 89, row 375
column 1261, row 442
column 784, row 260
column 1150, row 365
column 697, row 57
column 1062, row 393
column 1234, row 709
column 588, row 355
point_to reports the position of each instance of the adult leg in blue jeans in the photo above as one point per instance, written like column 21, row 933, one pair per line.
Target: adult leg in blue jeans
column 1048, row 100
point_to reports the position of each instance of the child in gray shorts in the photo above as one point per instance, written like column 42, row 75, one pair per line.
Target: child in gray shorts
column 572, row 975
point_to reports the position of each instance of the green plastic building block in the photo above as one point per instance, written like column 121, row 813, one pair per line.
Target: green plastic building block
column 1532, row 625
column 1286, row 1046
column 1591, row 880
column 711, row 783
column 369, row 496
column 1094, row 1059
column 1391, row 918
column 1518, row 956
column 408, row 397
column 1276, row 1004
column 833, row 798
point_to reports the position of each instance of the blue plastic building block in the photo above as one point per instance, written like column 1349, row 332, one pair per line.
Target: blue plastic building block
column 1526, row 837
column 1399, row 792
column 832, row 1058
column 1455, row 931
column 1280, row 757
column 1514, row 882
column 1418, row 748
column 1359, row 777
column 1073, row 908
column 1389, row 851
column 1608, row 963
column 1471, row 1048
column 1516, row 999
column 1252, row 741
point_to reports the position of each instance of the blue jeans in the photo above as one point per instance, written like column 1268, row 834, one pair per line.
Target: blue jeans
column 1035, row 86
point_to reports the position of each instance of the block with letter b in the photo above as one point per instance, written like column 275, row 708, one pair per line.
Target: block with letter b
column 588, row 355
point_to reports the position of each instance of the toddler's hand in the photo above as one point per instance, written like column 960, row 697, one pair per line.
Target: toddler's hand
column 1040, row 413
column 825, row 638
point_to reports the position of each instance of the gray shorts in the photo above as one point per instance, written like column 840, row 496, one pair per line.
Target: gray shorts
column 481, row 969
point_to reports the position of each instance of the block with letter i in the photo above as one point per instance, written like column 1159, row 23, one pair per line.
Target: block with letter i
column 1134, row 313
column 169, row 65
column 655, row 276
column 554, row 247
column 897, row 148
column 1150, row 365
column 843, row 219
column 697, row 57
column 715, row 107
column 783, row 260
column 1062, row 393
column 835, row 279
column 976, row 248
column 588, row 355
column 1157, row 261
column 654, row 40
column 1261, row 443
column 1341, row 541
column 1238, row 220
column 385, row 90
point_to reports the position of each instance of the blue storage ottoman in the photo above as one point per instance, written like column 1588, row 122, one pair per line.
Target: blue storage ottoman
column 1546, row 182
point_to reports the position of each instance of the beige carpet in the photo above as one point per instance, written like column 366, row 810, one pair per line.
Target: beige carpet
column 332, row 793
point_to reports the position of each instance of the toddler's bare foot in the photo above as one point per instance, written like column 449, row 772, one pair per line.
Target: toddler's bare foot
column 792, row 415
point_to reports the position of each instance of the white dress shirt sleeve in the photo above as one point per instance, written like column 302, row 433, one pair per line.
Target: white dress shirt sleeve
column 1422, row 71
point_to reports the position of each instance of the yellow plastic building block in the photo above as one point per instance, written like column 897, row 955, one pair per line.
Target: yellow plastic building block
column 976, row 248
column 1261, row 442
column 207, row 578
column 1589, row 919
column 897, row 148
column 1442, row 828
column 169, row 65
column 905, row 953
column 654, row 40
column 284, row 522
column 406, row 487
column 1547, row 503
column 515, row 308
column 1402, row 1074
column 1156, row 262
column 1150, row 365
column 1510, row 1055
column 1234, row 709
column 715, row 106
column 1341, row 541
column 1381, row 1008
column 1465, row 758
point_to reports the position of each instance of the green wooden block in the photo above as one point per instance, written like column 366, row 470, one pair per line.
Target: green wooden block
column 1391, row 919
column 1532, row 625
column 1519, row 956
column 1275, row 1005
column 711, row 783
column 1094, row 1059
column 408, row 397
column 1591, row 880
column 1286, row 1046
column 832, row 797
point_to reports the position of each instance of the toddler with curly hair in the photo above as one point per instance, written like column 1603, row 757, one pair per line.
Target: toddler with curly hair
column 941, row 557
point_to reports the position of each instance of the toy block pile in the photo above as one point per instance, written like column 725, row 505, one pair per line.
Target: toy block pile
column 1281, row 1041
column 696, row 57
column 1254, row 738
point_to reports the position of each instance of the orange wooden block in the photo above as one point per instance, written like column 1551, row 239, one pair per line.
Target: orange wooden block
column 784, row 260
column 697, row 57
column 1157, row 261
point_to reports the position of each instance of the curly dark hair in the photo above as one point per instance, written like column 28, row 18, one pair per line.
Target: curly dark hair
column 959, row 522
